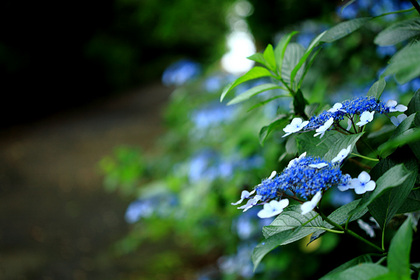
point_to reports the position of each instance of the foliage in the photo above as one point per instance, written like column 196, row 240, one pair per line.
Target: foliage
column 346, row 208
column 393, row 165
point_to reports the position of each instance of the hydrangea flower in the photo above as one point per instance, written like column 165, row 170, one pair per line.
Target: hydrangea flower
column 398, row 119
column 362, row 183
column 304, row 177
column 296, row 125
column 323, row 128
column 365, row 118
column 308, row 206
column 273, row 208
column 342, row 155
column 345, row 183
column 244, row 195
column 364, row 107
column 393, row 106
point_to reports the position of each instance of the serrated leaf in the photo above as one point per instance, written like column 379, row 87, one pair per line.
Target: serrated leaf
column 392, row 189
column 327, row 147
column 280, row 50
column 356, row 261
column 405, row 64
column 399, row 250
column 343, row 29
column 254, row 91
column 254, row 73
column 292, row 56
column 270, row 58
column 398, row 32
column 363, row 271
column 377, row 88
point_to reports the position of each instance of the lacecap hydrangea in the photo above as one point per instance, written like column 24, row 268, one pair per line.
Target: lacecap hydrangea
column 305, row 179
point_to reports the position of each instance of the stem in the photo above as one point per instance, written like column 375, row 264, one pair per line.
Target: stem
column 414, row 268
column 383, row 239
column 416, row 5
column 398, row 12
column 365, row 157
column 352, row 233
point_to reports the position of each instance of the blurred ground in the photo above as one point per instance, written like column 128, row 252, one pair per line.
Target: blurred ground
column 57, row 222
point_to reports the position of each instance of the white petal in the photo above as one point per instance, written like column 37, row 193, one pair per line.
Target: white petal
column 365, row 118
column 273, row 208
column 344, row 188
column 364, row 177
column 391, row 104
column 318, row 165
column 401, row 108
column 342, row 154
column 244, row 195
column 348, row 124
column 370, row 186
column 308, row 206
column 366, row 227
column 272, row 174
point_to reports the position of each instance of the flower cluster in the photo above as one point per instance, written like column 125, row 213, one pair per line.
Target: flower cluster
column 364, row 107
column 304, row 178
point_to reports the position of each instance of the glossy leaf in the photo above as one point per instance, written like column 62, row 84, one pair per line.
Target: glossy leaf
column 279, row 122
column 292, row 56
column 363, row 271
column 270, row 58
column 356, row 261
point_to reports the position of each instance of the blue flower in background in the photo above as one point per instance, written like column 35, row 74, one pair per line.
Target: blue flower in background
column 372, row 8
column 181, row 72
column 385, row 51
column 139, row 209
column 211, row 115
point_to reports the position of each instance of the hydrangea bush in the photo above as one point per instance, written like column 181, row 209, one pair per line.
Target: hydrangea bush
column 364, row 144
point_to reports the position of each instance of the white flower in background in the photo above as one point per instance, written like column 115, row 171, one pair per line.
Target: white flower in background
column 296, row 125
column 321, row 130
column 336, row 107
column 366, row 227
column 398, row 119
column 318, row 165
column 308, row 206
column 273, row 208
column 342, row 155
column 292, row 162
column 393, row 107
column 362, row 183
column 365, row 117
column 252, row 202
column 244, row 195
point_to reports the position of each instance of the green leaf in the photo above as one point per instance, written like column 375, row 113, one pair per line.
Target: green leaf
column 280, row 121
column 292, row 56
column 269, row 58
column 257, row 57
column 414, row 107
column 377, row 88
column 343, row 29
column 254, row 91
column 399, row 250
column 254, row 73
column 327, row 147
column 341, row 215
column 395, row 176
column 280, row 50
column 405, row 64
column 356, row 261
column 299, row 104
column 363, row 271
column 291, row 226
column 411, row 204
column 398, row 32
column 392, row 189
column 305, row 56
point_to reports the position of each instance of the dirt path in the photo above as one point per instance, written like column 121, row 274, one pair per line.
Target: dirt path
column 55, row 217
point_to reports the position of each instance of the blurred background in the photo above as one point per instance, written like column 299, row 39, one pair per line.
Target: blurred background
column 117, row 160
